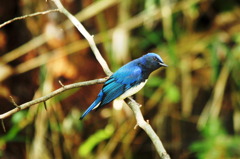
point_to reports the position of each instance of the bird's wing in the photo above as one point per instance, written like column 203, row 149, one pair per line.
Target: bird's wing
column 120, row 82
column 116, row 85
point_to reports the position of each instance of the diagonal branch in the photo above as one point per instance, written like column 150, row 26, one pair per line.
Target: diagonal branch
column 85, row 33
column 54, row 93
column 147, row 128
column 134, row 105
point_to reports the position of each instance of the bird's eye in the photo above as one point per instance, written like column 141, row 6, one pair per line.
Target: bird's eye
column 155, row 59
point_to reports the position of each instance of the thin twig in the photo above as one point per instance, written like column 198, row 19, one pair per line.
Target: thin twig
column 3, row 126
column 14, row 103
column 135, row 127
column 84, row 14
column 60, row 82
column 26, row 16
column 45, row 105
column 52, row 94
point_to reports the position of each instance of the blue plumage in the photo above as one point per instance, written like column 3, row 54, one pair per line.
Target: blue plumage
column 127, row 80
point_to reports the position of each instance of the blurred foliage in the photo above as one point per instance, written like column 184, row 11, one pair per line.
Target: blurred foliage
column 198, row 39
column 101, row 135
column 216, row 143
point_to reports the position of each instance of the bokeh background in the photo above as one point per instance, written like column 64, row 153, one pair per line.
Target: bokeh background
column 193, row 105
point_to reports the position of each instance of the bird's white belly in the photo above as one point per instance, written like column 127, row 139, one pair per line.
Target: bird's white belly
column 132, row 90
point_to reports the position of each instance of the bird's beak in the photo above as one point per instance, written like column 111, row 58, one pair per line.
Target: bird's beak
column 163, row 64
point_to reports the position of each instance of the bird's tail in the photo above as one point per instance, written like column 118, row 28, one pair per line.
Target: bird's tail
column 94, row 105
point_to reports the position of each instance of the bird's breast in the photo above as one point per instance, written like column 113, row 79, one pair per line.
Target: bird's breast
column 132, row 90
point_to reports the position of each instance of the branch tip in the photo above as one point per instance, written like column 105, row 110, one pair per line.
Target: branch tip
column 14, row 103
column 3, row 126
column 135, row 127
column 45, row 105
column 61, row 83
column 147, row 121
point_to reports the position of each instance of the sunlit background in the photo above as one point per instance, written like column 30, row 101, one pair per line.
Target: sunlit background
column 193, row 105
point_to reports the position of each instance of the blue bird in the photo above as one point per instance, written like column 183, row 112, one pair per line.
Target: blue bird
column 127, row 80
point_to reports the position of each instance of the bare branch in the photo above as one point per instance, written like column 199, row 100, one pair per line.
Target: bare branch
column 134, row 105
column 85, row 33
column 54, row 93
column 147, row 128
column 26, row 16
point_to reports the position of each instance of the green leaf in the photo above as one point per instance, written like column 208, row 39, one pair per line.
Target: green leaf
column 19, row 116
column 86, row 148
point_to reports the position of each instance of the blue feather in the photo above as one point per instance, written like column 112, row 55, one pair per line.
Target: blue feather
column 120, row 82
column 93, row 105
column 127, row 80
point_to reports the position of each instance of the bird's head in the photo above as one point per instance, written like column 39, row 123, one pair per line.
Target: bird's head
column 153, row 61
